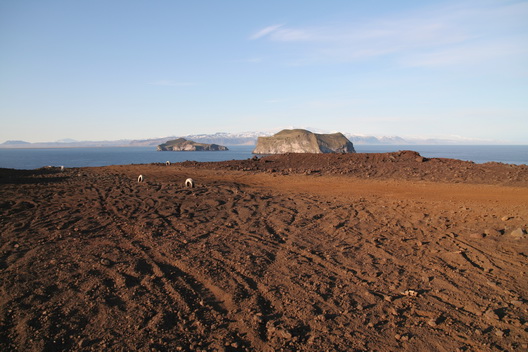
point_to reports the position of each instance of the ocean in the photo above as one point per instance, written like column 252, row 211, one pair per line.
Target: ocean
column 79, row 157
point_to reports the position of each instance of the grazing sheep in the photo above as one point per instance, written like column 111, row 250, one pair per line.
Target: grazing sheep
column 189, row 183
column 140, row 178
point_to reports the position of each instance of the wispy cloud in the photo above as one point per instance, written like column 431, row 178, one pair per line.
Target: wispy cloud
column 265, row 31
column 283, row 33
column 169, row 83
column 431, row 36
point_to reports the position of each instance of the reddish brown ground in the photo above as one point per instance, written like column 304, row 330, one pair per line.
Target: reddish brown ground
column 376, row 252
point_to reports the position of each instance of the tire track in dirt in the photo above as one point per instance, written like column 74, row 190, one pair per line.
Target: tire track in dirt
column 113, row 264
column 193, row 279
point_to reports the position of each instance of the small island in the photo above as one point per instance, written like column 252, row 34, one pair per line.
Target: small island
column 184, row 145
column 303, row 141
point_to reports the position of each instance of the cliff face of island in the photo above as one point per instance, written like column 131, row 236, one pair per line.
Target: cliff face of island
column 303, row 141
column 184, row 145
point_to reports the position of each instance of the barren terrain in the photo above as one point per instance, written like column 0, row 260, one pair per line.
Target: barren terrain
column 341, row 252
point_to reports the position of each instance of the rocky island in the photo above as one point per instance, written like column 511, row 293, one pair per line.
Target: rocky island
column 182, row 144
column 303, row 141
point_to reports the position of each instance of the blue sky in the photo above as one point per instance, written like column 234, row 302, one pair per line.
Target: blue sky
column 107, row 70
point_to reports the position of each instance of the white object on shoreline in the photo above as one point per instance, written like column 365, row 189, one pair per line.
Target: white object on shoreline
column 189, row 183
column 140, row 178
column 167, row 163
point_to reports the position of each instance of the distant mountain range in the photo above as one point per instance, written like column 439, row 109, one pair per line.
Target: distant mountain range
column 231, row 139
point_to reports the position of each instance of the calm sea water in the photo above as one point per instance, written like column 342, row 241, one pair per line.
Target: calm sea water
column 79, row 157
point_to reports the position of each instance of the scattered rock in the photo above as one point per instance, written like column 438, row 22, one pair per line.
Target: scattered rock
column 83, row 343
column 410, row 293
column 284, row 334
column 402, row 337
column 393, row 311
column 490, row 314
column 506, row 218
column 519, row 232
column 492, row 232
column 436, row 321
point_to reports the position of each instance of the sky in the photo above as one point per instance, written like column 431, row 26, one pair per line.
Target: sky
column 132, row 69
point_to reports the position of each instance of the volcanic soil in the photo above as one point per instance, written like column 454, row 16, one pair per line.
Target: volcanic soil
column 333, row 252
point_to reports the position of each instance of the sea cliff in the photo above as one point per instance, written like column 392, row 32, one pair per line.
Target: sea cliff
column 303, row 141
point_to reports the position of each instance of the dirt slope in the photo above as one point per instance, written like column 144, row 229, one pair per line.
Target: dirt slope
column 265, row 261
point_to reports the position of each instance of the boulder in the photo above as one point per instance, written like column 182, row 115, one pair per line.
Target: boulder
column 303, row 141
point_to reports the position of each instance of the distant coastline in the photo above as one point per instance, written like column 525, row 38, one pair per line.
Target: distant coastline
column 238, row 139
column 33, row 158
